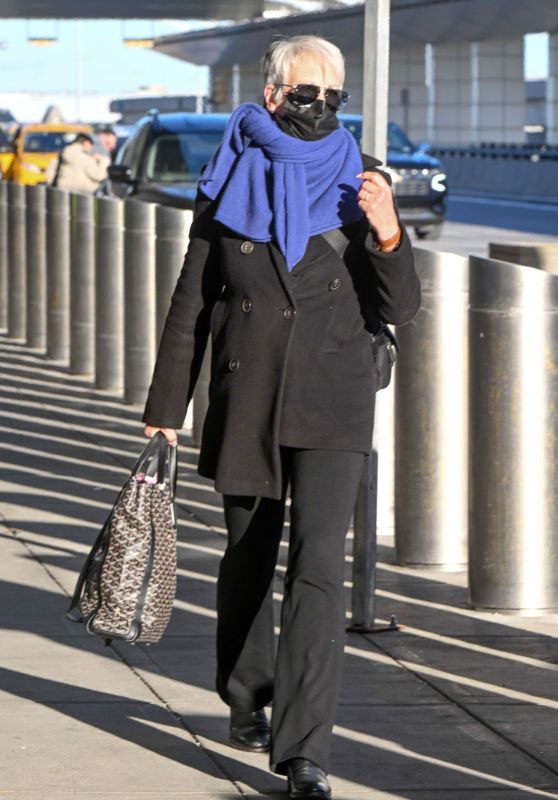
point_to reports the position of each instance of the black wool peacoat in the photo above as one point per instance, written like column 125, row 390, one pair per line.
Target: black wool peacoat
column 291, row 357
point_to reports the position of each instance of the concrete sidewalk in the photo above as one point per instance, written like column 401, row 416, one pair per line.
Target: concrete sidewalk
column 456, row 705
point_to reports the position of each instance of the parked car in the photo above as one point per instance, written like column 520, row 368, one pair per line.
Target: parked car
column 34, row 147
column 162, row 159
column 123, row 133
column 6, row 115
column 419, row 181
column 7, row 153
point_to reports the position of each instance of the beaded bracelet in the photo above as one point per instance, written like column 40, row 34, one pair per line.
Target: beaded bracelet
column 390, row 244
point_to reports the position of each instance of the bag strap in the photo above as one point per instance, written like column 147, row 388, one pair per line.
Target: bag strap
column 165, row 463
column 388, row 333
column 145, row 462
column 337, row 240
column 171, row 461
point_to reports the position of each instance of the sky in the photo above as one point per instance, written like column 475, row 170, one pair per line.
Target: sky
column 107, row 67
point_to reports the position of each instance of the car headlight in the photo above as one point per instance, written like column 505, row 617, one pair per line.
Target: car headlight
column 393, row 173
column 30, row 167
column 438, row 182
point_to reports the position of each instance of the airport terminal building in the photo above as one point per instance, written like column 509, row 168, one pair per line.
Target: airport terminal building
column 456, row 66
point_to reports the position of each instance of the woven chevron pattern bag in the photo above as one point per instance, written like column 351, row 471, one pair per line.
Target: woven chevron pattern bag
column 128, row 582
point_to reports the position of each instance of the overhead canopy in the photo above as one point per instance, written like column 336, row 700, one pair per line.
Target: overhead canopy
column 412, row 21
column 130, row 9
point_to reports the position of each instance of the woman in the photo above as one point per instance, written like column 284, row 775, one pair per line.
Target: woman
column 292, row 386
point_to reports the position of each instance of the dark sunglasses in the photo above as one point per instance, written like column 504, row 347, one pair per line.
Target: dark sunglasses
column 303, row 94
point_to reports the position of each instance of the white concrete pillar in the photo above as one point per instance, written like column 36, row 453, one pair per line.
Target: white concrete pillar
column 552, row 91
column 450, row 94
column 221, row 89
column 498, row 110
column 408, row 98
column 250, row 83
column 235, row 86
column 354, row 72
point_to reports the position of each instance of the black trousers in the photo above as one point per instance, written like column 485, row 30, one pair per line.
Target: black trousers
column 302, row 680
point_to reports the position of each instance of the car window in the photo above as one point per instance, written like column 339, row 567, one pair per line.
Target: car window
column 5, row 142
column 47, row 142
column 355, row 127
column 174, row 157
column 125, row 153
column 397, row 138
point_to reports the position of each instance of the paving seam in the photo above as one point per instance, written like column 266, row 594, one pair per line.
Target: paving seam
column 178, row 719
column 467, row 710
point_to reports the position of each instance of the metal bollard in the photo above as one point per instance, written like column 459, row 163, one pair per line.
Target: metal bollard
column 431, row 436
column 513, row 537
column 109, row 293
column 82, row 284
column 384, row 434
column 367, row 520
column 542, row 255
column 17, row 303
column 139, row 291
column 364, row 548
column 3, row 255
column 58, row 274
column 172, row 225
column 36, row 265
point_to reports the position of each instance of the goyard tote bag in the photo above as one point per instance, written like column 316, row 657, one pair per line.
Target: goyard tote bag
column 128, row 582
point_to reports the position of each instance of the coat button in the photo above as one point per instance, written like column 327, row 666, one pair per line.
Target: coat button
column 246, row 305
column 289, row 312
column 247, row 248
column 335, row 284
column 234, row 364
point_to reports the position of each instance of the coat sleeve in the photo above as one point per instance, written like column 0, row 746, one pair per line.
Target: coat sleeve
column 186, row 329
column 396, row 283
column 396, row 286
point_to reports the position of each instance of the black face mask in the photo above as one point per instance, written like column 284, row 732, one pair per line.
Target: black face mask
column 307, row 122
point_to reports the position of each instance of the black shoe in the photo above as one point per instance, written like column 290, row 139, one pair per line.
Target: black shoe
column 306, row 779
column 249, row 730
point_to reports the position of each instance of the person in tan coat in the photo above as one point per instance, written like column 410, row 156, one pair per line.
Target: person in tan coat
column 78, row 168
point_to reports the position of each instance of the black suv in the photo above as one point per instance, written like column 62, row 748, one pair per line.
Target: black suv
column 162, row 159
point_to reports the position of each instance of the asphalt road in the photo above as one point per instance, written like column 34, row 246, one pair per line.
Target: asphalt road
column 473, row 222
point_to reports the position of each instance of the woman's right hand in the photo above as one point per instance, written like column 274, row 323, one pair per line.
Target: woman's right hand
column 168, row 433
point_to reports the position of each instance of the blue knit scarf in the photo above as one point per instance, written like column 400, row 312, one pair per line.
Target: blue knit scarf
column 274, row 187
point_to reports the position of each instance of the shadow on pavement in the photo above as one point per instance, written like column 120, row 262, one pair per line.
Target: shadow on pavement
column 452, row 704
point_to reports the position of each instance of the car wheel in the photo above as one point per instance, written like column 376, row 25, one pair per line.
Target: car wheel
column 430, row 232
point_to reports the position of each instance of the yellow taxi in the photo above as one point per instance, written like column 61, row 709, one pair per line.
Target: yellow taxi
column 7, row 153
column 35, row 146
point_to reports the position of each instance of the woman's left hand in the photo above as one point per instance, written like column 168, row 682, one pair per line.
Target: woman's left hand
column 375, row 198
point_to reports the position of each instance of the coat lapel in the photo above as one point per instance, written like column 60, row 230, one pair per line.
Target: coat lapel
column 280, row 264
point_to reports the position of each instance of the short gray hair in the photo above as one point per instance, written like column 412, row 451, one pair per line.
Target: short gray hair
column 282, row 53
